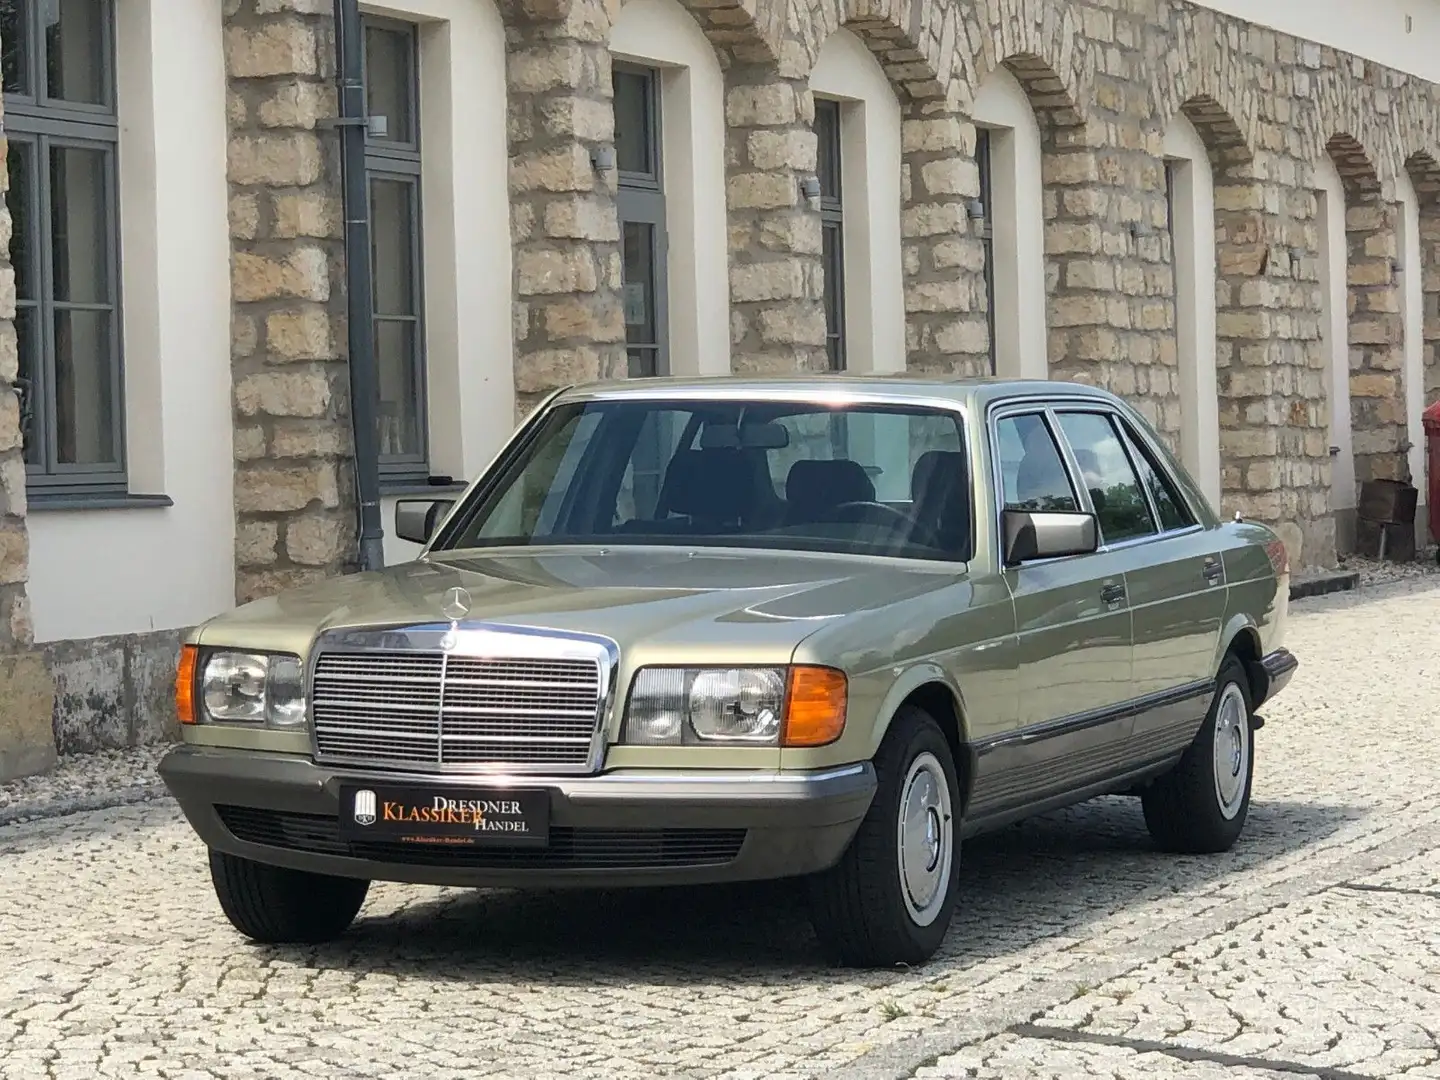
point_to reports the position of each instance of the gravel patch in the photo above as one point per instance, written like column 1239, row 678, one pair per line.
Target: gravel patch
column 82, row 782
column 1383, row 572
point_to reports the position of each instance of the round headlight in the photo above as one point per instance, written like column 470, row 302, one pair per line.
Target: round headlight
column 234, row 687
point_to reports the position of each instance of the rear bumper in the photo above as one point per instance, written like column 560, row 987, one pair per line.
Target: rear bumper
column 628, row 828
column 1278, row 666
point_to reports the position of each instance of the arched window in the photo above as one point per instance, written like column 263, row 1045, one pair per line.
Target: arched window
column 1007, row 153
column 857, row 124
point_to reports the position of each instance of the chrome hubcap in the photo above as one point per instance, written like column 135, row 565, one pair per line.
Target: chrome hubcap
column 1232, row 750
column 925, row 839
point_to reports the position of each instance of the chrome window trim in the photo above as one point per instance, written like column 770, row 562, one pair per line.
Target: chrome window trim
column 1004, row 410
column 646, row 390
column 1050, row 404
column 475, row 639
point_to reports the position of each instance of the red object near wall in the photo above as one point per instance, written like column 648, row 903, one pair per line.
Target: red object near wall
column 1431, row 420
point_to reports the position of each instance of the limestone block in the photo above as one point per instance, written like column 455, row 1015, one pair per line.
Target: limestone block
column 27, row 738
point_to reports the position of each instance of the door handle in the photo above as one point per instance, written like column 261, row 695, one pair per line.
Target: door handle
column 1112, row 594
column 1213, row 571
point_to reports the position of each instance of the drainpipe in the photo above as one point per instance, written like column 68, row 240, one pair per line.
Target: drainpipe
column 355, row 203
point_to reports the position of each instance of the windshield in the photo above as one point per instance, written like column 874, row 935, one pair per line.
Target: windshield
column 872, row 479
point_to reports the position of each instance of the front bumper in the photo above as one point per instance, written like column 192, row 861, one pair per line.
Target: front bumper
column 615, row 829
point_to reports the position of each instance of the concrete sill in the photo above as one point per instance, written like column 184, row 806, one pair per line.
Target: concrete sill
column 45, row 502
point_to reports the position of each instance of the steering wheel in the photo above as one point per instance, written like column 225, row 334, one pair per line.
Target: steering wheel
column 861, row 511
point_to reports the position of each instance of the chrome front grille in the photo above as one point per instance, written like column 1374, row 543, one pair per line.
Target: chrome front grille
column 437, row 711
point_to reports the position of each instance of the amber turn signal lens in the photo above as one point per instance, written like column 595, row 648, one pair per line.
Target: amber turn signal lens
column 185, row 684
column 814, row 706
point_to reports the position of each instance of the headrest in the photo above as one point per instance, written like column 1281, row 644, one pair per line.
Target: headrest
column 716, row 484
column 812, row 486
column 950, row 461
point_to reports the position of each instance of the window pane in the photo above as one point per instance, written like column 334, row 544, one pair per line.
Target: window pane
column 634, row 122
column 1167, row 501
column 397, row 363
column 982, row 165
column 392, row 247
column 14, row 47
column 21, row 198
column 1031, row 467
column 79, row 225
column 85, row 414
column 639, row 298
column 75, row 68
column 717, row 486
column 27, row 336
column 1114, row 488
column 655, row 446
column 833, row 256
column 827, row 134
column 388, row 55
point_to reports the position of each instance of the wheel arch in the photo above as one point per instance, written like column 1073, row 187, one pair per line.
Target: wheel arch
column 1241, row 639
column 930, row 688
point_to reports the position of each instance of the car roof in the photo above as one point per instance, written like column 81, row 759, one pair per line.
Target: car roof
column 881, row 386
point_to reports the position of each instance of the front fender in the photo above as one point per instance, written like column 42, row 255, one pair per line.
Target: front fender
column 912, row 679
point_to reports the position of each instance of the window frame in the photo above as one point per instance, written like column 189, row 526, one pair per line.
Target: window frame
column 487, row 494
column 45, row 123
column 1110, row 418
column 832, row 223
column 1050, row 406
column 984, row 164
column 640, row 200
column 392, row 161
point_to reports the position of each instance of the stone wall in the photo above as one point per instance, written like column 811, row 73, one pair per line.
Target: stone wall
column 114, row 692
column 294, row 483
column 1105, row 80
column 27, row 743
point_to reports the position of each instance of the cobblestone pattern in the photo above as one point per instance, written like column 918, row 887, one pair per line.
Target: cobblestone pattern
column 1070, row 922
column 16, row 628
column 569, row 325
column 294, row 500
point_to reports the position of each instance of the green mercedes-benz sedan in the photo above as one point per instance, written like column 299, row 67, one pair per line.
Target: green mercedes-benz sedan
column 711, row 630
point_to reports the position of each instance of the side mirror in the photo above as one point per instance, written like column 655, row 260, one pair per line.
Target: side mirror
column 1032, row 534
column 417, row 519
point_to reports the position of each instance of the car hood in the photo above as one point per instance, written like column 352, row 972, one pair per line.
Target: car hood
column 701, row 603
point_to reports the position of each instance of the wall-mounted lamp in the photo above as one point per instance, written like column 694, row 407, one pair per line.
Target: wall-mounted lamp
column 810, row 187
column 602, row 158
column 377, row 127
column 974, row 209
column 1396, row 266
column 1140, row 228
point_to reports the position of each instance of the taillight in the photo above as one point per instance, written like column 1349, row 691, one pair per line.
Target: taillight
column 1279, row 557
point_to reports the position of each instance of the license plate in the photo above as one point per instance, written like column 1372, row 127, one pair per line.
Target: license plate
column 445, row 816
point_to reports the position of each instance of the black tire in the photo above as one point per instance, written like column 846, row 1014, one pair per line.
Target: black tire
column 1183, row 808
column 275, row 905
column 858, row 907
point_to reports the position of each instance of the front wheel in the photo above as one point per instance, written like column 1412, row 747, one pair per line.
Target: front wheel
column 274, row 905
column 890, row 898
column 1200, row 806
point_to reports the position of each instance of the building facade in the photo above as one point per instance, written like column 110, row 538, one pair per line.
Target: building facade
column 1232, row 223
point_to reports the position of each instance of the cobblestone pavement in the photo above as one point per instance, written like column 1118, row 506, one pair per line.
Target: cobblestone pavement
column 1311, row 949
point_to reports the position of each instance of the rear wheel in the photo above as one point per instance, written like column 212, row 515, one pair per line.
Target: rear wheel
column 275, row 905
column 891, row 897
column 1200, row 806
